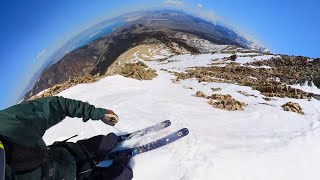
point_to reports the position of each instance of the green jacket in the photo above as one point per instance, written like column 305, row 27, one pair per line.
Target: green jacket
column 26, row 123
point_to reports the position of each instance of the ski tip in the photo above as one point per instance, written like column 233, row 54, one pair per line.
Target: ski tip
column 185, row 130
column 167, row 121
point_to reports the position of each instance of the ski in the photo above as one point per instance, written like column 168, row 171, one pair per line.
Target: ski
column 142, row 132
column 151, row 146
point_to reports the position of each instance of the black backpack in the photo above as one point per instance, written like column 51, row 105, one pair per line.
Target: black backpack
column 25, row 159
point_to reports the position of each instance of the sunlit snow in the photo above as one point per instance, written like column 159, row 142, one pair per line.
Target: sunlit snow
column 260, row 143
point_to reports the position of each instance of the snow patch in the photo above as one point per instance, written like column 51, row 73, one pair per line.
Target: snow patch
column 305, row 87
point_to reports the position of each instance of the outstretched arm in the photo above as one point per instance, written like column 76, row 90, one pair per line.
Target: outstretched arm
column 29, row 120
column 75, row 108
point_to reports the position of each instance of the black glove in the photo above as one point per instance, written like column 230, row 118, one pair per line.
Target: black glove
column 99, row 146
column 119, row 169
column 121, row 160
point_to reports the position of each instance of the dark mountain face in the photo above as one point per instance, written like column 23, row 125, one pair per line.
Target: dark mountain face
column 151, row 27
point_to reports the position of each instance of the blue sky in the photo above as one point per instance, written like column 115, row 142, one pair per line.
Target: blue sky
column 31, row 29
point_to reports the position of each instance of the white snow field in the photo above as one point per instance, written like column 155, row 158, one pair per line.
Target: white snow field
column 260, row 143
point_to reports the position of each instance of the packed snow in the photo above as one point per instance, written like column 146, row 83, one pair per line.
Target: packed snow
column 263, row 142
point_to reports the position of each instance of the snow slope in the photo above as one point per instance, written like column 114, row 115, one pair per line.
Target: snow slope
column 260, row 143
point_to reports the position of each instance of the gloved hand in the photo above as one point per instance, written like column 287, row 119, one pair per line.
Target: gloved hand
column 110, row 118
column 119, row 169
column 122, row 160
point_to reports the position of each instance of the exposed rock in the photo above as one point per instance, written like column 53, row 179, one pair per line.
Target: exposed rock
column 246, row 94
column 267, row 104
column 216, row 89
column 138, row 71
column 293, row 69
column 200, row 94
column 270, row 82
column 175, row 81
column 268, row 99
column 56, row 89
column 226, row 102
column 293, row 107
column 233, row 57
column 283, row 91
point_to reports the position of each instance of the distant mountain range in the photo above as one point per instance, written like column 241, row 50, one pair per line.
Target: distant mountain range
column 170, row 27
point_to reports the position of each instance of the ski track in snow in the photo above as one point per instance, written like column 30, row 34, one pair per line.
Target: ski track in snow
column 262, row 142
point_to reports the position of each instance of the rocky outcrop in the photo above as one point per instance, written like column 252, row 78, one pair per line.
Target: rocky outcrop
column 283, row 91
column 138, row 71
column 56, row 89
column 293, row 107
column 294, row 69
column 271, row 82
column 226, row 102
column 268, row 99
column 200, row 94
column 216, row 89
column 232, row 57
column 246, row 94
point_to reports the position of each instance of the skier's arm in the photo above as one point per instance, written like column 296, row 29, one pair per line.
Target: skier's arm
column 30, row 119
column 75, row 108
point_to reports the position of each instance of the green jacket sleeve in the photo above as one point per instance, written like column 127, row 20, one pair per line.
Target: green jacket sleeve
column 27, row 122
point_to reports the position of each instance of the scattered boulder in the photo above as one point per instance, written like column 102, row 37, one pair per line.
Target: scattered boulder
column 246, row 94
column 216, row 89
column 175, row 81
column 268, row 99
column 138, row 71
column 200, row 94
column 233, row 57
column 267, row 104
column 226, row 102
column 293, row 107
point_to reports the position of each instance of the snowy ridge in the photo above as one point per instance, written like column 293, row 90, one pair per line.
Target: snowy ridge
column 262, row 142
column 203, row 45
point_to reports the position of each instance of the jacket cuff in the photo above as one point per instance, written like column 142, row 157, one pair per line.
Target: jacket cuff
column 98, row 114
